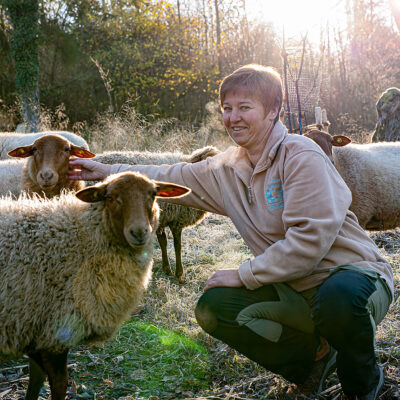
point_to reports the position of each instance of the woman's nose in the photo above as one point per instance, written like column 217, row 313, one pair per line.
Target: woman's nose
column 235, row 115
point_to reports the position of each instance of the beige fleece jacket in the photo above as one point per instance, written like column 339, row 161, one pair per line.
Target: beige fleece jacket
column 291, row 210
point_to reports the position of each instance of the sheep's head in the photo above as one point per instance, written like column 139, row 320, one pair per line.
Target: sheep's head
column 326, row 141
column 49, row 156
column 130, row 204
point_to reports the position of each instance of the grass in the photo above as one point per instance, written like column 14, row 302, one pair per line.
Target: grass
column 143, row 360
column 161, row 353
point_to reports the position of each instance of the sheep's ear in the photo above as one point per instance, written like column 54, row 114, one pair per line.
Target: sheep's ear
column 92, row 194
column 80, row 152
column 171, row 190
column 340, row 140
column 21, row 152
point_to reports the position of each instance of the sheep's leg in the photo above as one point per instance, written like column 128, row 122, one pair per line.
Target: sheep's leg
column 58, row 374
column 36, row 379
column 55, row 366
column 177, row 234
column 162, row 240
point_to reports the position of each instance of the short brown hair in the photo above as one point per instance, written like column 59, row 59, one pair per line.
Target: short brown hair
column 263, row 82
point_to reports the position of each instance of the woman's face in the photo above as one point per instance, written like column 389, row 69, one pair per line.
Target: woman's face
column 245, row 119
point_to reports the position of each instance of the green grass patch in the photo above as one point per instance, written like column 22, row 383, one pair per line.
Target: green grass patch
column 143, row 360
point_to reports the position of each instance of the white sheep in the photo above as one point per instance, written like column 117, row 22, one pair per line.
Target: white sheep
column 11, row 140
column 46, row 168
column 72, row 271
column 174, row 216
column 372, row 173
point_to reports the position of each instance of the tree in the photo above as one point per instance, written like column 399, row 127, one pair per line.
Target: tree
column 24, row 16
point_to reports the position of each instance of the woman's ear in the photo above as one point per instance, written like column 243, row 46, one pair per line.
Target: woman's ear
column 273, row 113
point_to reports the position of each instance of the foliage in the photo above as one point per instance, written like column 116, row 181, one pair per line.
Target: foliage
column 167, row 58
column 24, row 40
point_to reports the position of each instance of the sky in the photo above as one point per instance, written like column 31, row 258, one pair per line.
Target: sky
column 298, row 17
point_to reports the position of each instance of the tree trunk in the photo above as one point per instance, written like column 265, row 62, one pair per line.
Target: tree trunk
column 24, row 16
column 395, row 9
column 218, row 31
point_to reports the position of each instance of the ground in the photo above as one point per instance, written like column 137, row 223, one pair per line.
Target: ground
column 161, row 353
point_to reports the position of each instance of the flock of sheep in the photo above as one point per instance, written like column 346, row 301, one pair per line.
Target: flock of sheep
column 76, row 259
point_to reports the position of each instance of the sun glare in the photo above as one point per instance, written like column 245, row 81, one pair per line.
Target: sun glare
column 298, row 18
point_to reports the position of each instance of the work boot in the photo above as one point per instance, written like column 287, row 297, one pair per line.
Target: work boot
column 373, row 394
column 322, row 368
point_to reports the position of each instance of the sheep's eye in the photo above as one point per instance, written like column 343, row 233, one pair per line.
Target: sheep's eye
column 154, row 193
column 34, row 149
column 67, row 149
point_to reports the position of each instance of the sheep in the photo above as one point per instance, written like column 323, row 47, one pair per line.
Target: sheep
column 10, row 177
column 372, row 173
column 11, row 140
column 174, row 216
column 46, row 169
column 73, row 268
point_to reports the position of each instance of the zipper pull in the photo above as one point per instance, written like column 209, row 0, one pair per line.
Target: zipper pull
column 249, row 195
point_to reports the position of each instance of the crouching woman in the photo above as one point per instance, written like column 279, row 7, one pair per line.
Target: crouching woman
column 310, row 299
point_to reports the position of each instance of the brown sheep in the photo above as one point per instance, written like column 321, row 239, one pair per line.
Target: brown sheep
column 46, row 170
column 72, row 271
column 174, row 216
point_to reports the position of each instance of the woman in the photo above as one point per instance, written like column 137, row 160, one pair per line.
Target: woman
column 310, row 298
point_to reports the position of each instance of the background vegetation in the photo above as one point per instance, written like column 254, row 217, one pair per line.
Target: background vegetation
column 167, row 58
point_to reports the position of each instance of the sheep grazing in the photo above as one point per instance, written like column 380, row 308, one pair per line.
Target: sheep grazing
column 11, row 140
column 72, row 271
column 174, row 216
column 46, row 169
column 372, row 173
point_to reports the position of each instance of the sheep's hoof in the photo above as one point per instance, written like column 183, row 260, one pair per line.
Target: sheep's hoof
column 167, row 270
column 181, row 279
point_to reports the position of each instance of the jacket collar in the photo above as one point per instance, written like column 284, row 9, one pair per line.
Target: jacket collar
column 238, row 159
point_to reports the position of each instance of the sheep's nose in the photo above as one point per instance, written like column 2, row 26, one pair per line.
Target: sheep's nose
column 139, row 236
column 46, row 175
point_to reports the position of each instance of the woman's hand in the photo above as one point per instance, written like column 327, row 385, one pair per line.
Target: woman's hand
column 87, row 170
column 224, row 278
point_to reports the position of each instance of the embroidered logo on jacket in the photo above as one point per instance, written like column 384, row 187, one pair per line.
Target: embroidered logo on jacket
column 274, row 194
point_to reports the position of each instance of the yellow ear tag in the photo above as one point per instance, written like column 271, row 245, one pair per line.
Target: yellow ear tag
column 339, row 140
column 21, row 151
column 95, row 194
column 80, row 152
